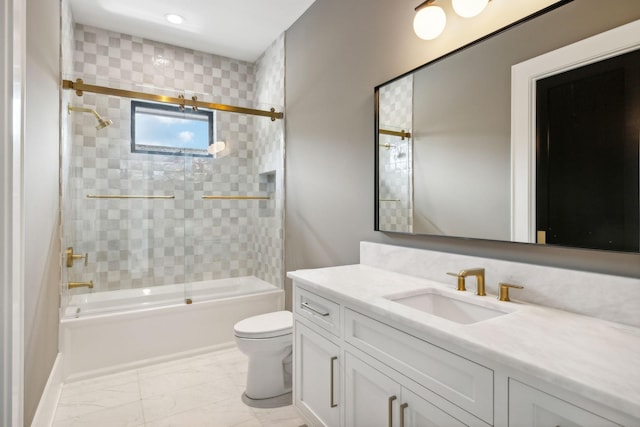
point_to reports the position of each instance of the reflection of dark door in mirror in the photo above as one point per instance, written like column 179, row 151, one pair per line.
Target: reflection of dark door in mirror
column 587, row 155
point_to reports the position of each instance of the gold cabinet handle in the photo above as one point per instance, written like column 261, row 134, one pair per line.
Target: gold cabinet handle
column 504, row 290
column 71, row 256
column 390, row 410
column 331, row 397
column 402, row 408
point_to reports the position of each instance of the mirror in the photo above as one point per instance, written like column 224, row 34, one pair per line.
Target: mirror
column 445, row 159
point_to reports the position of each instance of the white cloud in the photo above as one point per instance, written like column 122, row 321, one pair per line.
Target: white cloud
column 186, row 136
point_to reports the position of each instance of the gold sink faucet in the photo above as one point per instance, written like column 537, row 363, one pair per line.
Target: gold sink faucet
column 478, row 272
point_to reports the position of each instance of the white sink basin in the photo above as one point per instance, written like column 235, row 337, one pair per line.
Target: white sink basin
column 457, row 310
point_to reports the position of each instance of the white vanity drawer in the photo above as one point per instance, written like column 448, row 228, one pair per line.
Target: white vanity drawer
column 319, row 310
column 530, row 407
column 460, row 381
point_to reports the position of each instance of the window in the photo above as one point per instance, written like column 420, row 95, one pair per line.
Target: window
column 164, row 129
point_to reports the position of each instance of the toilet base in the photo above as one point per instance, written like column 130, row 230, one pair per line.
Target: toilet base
column 271, row 402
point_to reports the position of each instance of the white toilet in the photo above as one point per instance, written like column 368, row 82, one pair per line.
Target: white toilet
column 267, row 340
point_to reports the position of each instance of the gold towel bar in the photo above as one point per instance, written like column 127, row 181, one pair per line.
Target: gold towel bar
column 235, row 197
column 79, row 86
column 402, row 134
column 124, row 196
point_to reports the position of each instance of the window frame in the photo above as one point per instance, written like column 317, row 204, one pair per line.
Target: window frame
column 170, row 151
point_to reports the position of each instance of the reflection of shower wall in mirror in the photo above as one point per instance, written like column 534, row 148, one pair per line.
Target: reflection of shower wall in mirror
column 395, row 157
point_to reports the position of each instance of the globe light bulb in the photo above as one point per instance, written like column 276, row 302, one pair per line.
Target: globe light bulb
column 174, row 19
column 469, row 8
column 429, row 22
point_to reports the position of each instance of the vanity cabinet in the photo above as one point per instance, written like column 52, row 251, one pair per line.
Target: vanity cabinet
column 530, row 407
column 458, row 382
column 358, row 367
column 374, row 399
column 316, row 375
column 316, row 361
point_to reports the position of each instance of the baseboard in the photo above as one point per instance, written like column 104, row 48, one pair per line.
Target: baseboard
column 46, row 410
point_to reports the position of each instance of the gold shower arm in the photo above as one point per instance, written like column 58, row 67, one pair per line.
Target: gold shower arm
column 80, row 87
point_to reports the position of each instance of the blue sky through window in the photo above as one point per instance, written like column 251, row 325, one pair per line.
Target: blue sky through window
column 167, row 129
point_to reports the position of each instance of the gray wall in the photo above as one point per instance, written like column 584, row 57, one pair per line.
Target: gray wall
column 336, row 53
column 41, row 210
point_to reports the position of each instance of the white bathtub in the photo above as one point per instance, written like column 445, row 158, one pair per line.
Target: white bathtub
column 111, row 331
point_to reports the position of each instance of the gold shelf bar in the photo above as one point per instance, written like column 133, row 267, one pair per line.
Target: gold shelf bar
column 402, row 134
column 235, row 197
column 124, row 196
column 79, row 86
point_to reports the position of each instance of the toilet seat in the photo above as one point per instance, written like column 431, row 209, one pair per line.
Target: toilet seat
column 269, row 325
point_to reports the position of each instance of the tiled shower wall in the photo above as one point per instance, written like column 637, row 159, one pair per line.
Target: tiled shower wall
column 269, row 160
column 146, row 242
column 396, row 157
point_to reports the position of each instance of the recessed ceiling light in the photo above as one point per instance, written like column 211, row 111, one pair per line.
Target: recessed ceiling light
column 174, row 19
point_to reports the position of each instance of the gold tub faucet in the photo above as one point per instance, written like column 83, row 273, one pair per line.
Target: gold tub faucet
column 478, row 272
column 72, row 285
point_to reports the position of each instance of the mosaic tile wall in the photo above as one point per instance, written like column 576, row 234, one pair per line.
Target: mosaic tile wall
column 395, row 157
column 269, row 161
column 66, row 66
column 146, row 242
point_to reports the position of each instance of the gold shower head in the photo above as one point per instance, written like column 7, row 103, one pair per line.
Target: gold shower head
column 102, row 123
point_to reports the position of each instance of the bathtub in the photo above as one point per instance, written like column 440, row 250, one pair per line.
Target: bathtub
column 111, row 331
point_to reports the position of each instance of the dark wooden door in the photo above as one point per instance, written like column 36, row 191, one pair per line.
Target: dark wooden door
column 587, row 175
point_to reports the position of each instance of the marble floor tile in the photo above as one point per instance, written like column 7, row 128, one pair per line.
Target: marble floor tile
column 278, row 417
column 180, row 400
column 128, row 415
column 226, row 413
column 199, row 391
column 79, row 399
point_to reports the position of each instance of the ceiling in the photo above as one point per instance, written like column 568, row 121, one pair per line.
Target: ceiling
column 240, row 29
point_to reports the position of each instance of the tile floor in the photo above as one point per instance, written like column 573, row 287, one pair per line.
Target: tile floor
column 197, row 391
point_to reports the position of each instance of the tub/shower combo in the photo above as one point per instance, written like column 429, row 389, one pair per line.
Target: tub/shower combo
column 167, row 248
column 110, row 331
column 116, row 330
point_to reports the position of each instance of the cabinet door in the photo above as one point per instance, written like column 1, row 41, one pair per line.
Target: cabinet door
column 417, row 412
column 371, row 398
column 317, row 376
column 530, row 407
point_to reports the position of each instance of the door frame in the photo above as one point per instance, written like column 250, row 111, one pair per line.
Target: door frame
column 524, row 76
column 12, row 91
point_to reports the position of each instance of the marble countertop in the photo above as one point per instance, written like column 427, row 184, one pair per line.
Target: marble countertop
column 594, row 358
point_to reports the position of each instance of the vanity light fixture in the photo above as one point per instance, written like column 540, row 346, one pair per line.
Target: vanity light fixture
column 469, row 8
column 174, row 19
column 430, row 19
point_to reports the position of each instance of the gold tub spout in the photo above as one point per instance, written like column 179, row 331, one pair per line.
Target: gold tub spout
column 72, row 285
